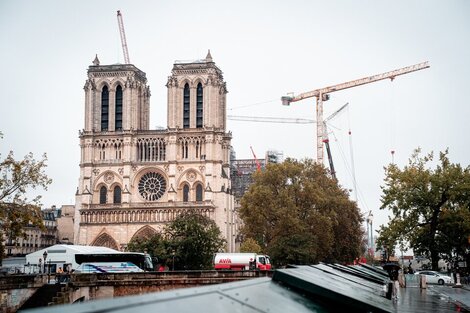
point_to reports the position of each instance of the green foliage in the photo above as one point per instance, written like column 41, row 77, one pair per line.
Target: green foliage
column 194, row 239
column 298, row 214
column 155, row 245
column 17, row 179
column 250, row 245
column 187, row 243
column 429, row 206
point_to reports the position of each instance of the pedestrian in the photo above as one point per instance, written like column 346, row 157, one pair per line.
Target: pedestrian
column 395, row 284
column 60, row 273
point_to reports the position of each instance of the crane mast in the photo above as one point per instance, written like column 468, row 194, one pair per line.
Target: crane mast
column 322, row 94
column 123, row 38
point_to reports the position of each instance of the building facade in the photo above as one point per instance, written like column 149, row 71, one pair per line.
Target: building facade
column 34, row 237
column 134, row 180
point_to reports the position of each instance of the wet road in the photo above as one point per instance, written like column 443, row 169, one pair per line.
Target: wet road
column 433, row 299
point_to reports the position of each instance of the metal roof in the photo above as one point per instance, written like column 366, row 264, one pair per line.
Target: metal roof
column 318, row 288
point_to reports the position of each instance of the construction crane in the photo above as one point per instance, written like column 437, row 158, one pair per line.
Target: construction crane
column 322, row 94
column 123, row 38
column 327, row 141
column 258, row 165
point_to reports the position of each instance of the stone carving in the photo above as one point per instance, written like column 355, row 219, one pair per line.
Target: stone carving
column 96, row 171
column 108, row 178
column 180, row 168
column 121, row 171
column 152, row 186
column 191, row 176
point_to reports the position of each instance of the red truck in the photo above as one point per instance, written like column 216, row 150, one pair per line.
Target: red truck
column 241, row 261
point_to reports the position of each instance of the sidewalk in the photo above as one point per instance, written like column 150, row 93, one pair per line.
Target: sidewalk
column 433, row 299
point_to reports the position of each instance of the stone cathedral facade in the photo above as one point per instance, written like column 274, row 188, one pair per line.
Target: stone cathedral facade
column 134, row 180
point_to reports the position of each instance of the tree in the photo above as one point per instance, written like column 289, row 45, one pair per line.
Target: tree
column 187, row 243
column 194, row 239
column 17, row 179
column 427, row 205
column 298, row 214
column 156, row 246
column 250, row 245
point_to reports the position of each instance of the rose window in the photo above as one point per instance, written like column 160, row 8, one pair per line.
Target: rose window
column 152, row 186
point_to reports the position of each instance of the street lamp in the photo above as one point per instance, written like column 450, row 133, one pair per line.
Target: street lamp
column 44, row 255
column 173, row 253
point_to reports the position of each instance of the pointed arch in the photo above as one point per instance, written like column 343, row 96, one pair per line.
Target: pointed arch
column 199, row 192
column 185, row 193
column 103, row 194
column 145, row 232
column 104, row 108
column 105, row 240
column 117, row 194
column 186, row 106
column 118, row 108
column 199, row 106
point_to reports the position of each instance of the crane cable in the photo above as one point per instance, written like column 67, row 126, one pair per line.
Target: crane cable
column 359, row 194
column 392, row 122
column 352, row 157
column 253, row 104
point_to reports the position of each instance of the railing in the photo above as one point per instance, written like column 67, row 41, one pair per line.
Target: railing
column 172, row 204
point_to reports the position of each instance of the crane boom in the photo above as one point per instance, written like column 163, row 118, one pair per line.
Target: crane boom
column 123, row 38
column 357, row 82
column 322, row 94
column 258, row 165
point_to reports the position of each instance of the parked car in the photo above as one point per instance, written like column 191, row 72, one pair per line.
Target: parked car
column 433, row 277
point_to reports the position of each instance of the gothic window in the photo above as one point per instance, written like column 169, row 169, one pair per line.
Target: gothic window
column 198, row 192
column 186, row 106
column 103, row 192
column 117, row 195
column 184, row 149
column 185, row 193
column 152, row 186
column 118, row 113
column 117, row 148
column 151, row 149
column 199, row 106
column 102, row 151
column 104, row 108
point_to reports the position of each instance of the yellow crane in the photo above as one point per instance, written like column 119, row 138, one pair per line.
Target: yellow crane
column 322, row 94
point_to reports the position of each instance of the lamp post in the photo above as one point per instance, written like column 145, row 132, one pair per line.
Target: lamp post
column 173, row 253
column 44, row 255
column 49, row 272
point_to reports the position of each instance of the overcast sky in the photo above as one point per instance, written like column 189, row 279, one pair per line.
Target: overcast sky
column 265, row 49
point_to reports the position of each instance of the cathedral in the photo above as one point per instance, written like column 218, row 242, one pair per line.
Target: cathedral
column 133, row 180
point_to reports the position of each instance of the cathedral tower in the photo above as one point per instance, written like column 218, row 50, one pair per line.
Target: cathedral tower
column 134, row 180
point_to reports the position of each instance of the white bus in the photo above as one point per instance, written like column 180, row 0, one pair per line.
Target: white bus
column 69, row 258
